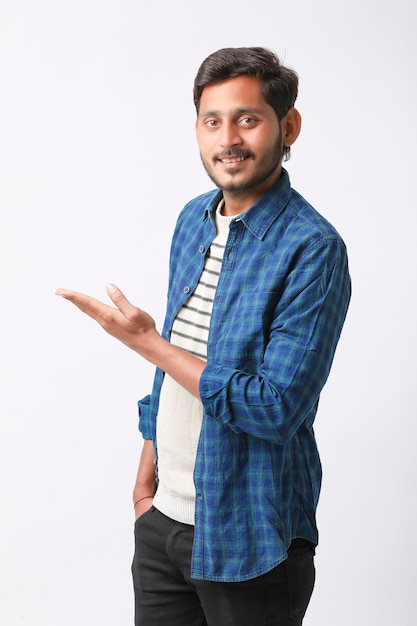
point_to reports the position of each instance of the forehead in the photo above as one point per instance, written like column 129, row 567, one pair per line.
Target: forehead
column 240, row 93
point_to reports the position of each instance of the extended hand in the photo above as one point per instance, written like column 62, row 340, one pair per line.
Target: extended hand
column 136, row 329
column 130, row 325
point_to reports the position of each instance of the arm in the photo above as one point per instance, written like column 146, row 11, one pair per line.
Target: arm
column 269, row 400
column 269, row 395
column 145, row 484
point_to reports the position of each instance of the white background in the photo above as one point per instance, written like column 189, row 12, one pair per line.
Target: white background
column 97, row 157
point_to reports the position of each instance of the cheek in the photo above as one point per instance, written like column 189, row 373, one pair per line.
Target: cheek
column 207, row 149
column 266, row 139
column 202, row 142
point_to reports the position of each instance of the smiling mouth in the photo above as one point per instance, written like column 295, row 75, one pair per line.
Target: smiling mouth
column 233, row 159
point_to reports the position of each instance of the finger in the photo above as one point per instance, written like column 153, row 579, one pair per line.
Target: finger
column 69, row 294
column 119, row 299
column 92, row 307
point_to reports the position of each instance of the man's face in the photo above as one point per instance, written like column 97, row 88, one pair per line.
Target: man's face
column 239, row 137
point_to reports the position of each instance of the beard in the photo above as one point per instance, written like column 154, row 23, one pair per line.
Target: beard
column 266, row 165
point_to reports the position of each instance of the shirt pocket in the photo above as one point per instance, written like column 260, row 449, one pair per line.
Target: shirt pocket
column 246, row 326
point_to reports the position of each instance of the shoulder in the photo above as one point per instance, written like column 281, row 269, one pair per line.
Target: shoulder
column 304, row 238
column 306, row 218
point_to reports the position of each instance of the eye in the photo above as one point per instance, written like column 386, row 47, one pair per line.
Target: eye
column 211, row 123
column 247, row 121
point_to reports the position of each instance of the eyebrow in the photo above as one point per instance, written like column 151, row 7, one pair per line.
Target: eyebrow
column 234, row 112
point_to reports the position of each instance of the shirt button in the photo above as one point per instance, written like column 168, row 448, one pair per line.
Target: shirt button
column 201, row 248
column 186, row 289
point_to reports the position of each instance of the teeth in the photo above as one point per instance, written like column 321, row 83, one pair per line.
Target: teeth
column 234, row 160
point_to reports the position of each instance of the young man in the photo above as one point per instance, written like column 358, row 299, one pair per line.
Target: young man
column 229, row 477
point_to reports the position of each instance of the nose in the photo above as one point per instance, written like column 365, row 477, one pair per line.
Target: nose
column 229, row 135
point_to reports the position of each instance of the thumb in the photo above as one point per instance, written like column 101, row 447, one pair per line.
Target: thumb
column 120, row 300
column 114, row 292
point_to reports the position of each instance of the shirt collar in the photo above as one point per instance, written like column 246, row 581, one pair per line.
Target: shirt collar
column 264, row 212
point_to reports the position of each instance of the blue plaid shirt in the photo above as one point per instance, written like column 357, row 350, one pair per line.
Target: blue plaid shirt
column 279, row 308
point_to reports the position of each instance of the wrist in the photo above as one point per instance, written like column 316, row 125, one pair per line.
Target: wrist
column 141, row 499
column 145, row 490
column 149, row 344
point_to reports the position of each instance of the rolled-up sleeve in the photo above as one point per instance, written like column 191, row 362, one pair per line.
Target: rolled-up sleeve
column 145, row 425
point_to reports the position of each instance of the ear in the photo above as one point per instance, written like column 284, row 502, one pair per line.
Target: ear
column 291, row 127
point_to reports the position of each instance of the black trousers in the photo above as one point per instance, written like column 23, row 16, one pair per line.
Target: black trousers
column 166, row 595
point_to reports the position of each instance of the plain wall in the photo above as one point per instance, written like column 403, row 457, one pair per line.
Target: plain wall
column 97, row 157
